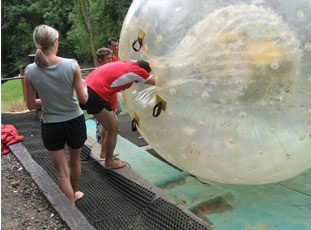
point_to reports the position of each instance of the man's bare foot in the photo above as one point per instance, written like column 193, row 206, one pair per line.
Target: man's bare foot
column 103, row 155
column 78, row 195
column 115, row 164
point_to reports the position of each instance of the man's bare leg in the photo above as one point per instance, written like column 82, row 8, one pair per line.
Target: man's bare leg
column 102, row 140
column 108, row 121
column 103, row 132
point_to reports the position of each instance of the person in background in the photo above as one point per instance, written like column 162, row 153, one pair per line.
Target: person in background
column 113, row 44
column 103, row 84
column 62, row 121
column 104, row 56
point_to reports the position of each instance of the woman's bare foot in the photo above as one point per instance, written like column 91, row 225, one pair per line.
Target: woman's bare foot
column 103, row 155
column 78, row 195
column 115, row 164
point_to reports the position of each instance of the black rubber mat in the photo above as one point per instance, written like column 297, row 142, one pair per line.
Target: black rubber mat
column 111, row 201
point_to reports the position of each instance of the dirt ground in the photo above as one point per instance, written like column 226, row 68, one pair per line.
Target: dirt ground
column 23, row 206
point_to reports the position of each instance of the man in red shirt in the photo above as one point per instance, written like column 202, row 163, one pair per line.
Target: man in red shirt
column 103, row 84
column 113, row 44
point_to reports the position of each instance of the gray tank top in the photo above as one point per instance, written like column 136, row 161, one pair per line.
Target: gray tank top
column 55, row 87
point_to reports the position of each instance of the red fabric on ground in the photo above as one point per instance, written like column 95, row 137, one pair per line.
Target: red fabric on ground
column 9, row 136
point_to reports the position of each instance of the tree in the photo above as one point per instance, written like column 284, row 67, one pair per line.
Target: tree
column 19, row 18
column 77, row 37
column 15, row 39
column 105, row 18
column 87, row 18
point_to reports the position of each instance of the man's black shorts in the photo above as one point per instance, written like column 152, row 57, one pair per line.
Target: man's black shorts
column 72, row 132
column 95, row 103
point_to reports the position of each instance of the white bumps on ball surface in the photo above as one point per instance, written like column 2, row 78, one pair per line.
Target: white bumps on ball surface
column 235, row 76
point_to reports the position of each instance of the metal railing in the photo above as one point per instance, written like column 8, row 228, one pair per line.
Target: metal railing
column 11, row 78
column 3, row 80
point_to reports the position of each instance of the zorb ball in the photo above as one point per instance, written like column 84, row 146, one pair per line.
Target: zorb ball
column 233, row 83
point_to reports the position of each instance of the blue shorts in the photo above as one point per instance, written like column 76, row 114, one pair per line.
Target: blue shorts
column 72, row 132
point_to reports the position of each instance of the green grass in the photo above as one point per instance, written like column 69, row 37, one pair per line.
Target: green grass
column 124, row 110
column 87, row 116
column 12, row 99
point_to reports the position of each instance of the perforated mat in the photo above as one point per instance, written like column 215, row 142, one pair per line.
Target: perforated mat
column 111, row 201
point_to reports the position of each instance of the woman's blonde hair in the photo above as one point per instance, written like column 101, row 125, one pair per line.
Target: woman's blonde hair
column 44, row 37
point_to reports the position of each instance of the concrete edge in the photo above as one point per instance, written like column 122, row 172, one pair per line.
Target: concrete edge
column 131, row 174
column 71, row 216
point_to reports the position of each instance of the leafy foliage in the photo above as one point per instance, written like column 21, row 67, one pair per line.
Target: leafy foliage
column 20, row 17
column 15, row 39
column 106, row 17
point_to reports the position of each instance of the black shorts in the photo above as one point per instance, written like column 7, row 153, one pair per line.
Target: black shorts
column 95, row 103
column 72, row 132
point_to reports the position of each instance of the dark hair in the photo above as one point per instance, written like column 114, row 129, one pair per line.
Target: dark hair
column 145, row 65
column 103, row 52
column 112, row 39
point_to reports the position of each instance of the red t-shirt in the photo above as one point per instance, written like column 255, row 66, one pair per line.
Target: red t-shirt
column 113, row 77
column 115, row 57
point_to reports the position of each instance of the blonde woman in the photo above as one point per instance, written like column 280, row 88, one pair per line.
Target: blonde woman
column 56, row 79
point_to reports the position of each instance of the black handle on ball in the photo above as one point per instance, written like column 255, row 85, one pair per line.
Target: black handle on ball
column 134, row 125
column 157, row 109
column 140, row 41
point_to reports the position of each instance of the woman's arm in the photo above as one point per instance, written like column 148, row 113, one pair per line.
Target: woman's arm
column 32, row 102
column 80, row 86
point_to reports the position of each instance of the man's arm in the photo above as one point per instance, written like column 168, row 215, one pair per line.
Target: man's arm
column 151, row 81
